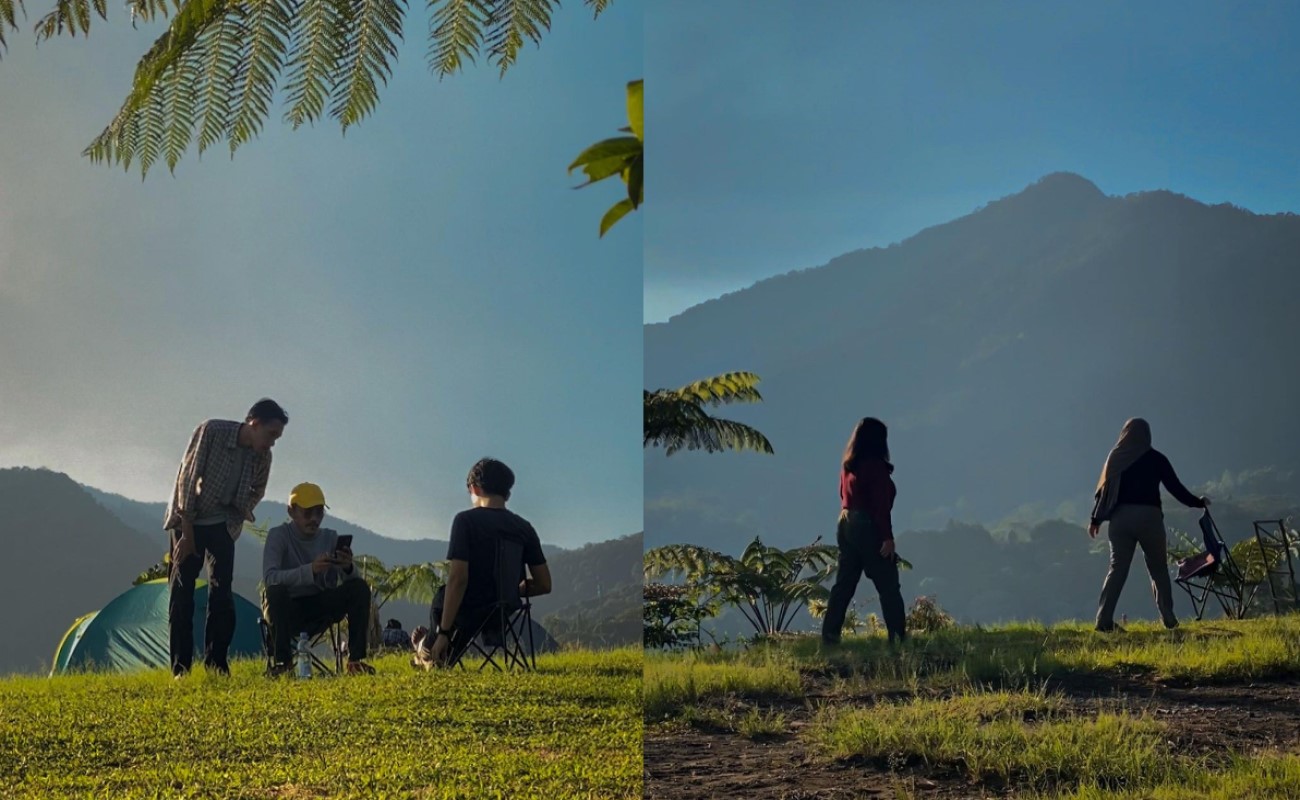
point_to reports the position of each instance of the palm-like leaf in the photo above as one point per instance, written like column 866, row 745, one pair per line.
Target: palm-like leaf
column 622, row 156
column 214, row 73
column 370, row 43
column 766, row 584
column 675, row 419
column 517, row 21
column 416, row 583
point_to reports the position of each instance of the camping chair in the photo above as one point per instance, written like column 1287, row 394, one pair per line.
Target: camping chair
column 1214, row 572
column 316, row 631
column 499, row 627
column 1275, row 546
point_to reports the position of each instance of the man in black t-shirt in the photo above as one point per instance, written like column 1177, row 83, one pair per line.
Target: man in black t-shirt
column 471, row 581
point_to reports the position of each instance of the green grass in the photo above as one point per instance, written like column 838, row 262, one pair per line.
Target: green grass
column 1027, row 653
column 673, row 682
column 1022, row 737
column 983, row 703
column 1263, row 778
column 572, row 729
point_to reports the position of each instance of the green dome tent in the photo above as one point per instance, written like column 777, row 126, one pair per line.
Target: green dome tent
column 131, row 632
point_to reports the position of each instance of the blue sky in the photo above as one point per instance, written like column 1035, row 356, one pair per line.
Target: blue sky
column 785, row 134
column 426, row 290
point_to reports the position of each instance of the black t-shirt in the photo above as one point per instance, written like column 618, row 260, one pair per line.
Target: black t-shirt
column 473, row 539
column 1139, row 485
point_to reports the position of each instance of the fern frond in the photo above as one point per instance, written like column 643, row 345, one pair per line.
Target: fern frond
column 371, row 44
column 516, row 21
column 267, row 29
column 455, row 33
column 597, row 7
column 676, row 422
column 149, row 109
column 9, row 19
column 729, row 387
column 150, row 10
column 180, row 106
column 218, row 69
column 314, row 61
column 70, row 17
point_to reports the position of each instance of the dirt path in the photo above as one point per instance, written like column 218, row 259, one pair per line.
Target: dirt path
column 686, row 764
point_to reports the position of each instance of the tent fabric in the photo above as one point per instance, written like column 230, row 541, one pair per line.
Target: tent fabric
column 131, row 632
column 69, row 641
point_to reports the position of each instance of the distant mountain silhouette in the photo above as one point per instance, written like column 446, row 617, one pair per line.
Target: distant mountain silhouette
column 1005, row 349
column 63, row 557
column 72, row 548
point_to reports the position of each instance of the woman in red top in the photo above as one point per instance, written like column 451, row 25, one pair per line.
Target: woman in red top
column 865, row 534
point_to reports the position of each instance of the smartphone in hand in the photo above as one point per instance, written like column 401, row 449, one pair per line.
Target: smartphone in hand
column 344, row 543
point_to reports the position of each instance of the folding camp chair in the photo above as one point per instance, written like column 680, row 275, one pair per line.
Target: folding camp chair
column 1214, row 572
column 501, row 626
column 1275, row 546
column 316, row 631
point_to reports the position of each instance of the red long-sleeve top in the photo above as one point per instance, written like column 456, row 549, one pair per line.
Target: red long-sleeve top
column 870, row 488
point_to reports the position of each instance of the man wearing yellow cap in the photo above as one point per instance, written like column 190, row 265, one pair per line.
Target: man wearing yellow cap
column 310, row 582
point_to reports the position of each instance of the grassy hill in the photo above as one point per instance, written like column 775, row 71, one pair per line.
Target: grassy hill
column 572, row 729
column 1208, row 711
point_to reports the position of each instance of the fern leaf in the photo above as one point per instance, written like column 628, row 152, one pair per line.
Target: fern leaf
column 313, row 64
column 267, row 32
column 70, row 17
column 150, row 10
column 455, row 33
column 148, row 109
column 9, row 19
column 516, row 21
column 180, row 108
column 218, row 70
column 377, row 31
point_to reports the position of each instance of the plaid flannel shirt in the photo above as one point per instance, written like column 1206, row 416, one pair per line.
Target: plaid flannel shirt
column 208, row 461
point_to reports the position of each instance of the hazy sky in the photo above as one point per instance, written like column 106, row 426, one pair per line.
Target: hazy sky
column 423, row 292
column 785, row 134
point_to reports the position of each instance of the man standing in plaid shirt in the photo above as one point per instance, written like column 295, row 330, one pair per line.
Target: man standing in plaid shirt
column 221, row 479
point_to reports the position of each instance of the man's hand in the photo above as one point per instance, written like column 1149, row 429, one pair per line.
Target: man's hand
column 887, row 549
column 184, row 545
column 1093, row 530
column 322, row 563
column 441, row 646
column 343, row 558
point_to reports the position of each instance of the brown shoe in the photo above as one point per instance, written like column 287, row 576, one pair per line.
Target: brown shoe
column 360, row 668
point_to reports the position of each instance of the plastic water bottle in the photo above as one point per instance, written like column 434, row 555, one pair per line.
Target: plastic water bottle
column 304, row 656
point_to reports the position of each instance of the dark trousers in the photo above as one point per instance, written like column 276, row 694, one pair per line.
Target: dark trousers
column 1131, row 527
column 859, row 545
column 212, row 543
column 289, row 616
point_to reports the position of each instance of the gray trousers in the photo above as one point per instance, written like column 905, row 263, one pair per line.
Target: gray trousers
column 1132, row 526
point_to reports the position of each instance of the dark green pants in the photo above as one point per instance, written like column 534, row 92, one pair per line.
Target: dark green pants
column 289, row 616
column 860, row 545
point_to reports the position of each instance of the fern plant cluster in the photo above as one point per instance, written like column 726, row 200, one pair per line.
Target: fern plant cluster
column 213, row 75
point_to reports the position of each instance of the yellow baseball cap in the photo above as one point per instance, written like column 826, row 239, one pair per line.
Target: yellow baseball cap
column 307, row 495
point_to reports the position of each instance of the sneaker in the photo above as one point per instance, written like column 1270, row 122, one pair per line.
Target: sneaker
column 1170, row 624
column 1112, row 629
column 360, row 668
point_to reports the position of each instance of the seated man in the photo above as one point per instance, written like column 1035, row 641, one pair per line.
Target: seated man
column 310, row 583
column 395, row 637
column 471, row 583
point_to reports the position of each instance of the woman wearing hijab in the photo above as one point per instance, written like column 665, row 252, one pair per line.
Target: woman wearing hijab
column 865, row 534
column 1128, row 497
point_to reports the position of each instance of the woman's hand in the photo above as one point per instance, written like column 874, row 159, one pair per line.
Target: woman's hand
column 887, row 549
column 1093, row 530
column 1206, row 501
